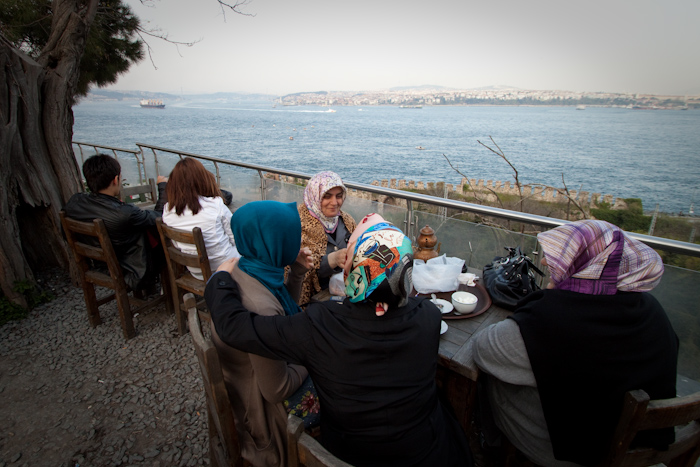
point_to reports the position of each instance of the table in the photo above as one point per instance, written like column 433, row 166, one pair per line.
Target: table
column 454, row 377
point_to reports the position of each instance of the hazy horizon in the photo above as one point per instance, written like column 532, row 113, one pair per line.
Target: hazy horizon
column 643, row 47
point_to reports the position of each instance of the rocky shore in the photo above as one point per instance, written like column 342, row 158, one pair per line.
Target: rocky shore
column 74, row 396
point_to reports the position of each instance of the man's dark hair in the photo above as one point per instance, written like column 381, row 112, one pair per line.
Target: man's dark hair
column 99, row 171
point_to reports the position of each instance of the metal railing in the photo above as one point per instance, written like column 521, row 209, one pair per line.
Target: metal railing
column 458, row 237
column 664, row 244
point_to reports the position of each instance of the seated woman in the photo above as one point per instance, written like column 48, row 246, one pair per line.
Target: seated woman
column 194, row 200
column 372, row 357
column 269, row 235
column 557, row 372
column 325, row 230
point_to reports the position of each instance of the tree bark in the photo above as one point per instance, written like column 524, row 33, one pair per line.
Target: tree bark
column 38, row 170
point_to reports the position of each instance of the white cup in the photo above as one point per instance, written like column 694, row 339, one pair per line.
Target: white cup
column 466, row 278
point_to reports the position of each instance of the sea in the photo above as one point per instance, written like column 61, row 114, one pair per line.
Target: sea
column 629, row 153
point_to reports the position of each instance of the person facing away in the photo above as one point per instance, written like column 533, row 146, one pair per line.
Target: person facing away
column 325, row 230
column 558, row 370
column 194, row 200
column 269, row 234
column 372, row 357
column 130, row 228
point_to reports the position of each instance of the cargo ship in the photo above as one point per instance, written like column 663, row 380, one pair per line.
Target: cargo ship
column 152, row 104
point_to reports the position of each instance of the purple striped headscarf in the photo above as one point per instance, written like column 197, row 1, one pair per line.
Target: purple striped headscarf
column 598, row 258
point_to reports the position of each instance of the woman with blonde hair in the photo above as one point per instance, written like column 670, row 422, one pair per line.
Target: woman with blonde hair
column 194, row 200
column 325, row 231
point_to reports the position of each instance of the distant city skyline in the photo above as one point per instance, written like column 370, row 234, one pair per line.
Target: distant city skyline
column 645, row 46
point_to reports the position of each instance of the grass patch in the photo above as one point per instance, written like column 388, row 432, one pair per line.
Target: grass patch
column 10, row 311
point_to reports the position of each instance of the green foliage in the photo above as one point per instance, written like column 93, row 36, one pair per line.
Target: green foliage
column 10, row 311
column 631, row 219
column 111, row 47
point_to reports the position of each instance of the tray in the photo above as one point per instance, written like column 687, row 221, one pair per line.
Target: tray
column 478, row 290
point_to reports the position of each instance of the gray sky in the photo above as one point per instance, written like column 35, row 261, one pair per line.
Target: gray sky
column 640, row 46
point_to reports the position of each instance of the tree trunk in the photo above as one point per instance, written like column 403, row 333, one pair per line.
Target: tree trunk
column 38, row 171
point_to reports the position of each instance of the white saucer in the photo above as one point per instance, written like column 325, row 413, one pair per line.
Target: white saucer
column 443, row 327
column 446, row 306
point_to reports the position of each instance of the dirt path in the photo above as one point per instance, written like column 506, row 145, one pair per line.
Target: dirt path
column 77, row 396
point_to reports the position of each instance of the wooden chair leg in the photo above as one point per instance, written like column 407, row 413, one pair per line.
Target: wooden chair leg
column 180, row 312
column 127, row 320
column 91, row 304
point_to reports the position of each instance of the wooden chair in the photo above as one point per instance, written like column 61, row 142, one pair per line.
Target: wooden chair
column 147, row 194
column 181, row 280
column 90, row 242
column 639, row 414
column 224, row 448
column 304, row 450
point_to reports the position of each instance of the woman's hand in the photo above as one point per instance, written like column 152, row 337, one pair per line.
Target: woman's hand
column 337, row 258
column 304, row 258
column 161, row 179
column 228, row 265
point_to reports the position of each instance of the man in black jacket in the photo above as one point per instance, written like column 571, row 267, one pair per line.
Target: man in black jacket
column 131, row 229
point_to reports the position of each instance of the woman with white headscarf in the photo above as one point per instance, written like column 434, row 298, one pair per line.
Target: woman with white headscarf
column 372, row 358
column 325, row 230
column 557, row 372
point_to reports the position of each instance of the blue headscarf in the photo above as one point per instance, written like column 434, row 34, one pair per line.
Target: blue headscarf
column 268, row 237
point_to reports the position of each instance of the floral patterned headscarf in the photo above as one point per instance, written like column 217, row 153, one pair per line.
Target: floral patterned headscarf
column 382, row 253
column 318, row 185
column 597, row 258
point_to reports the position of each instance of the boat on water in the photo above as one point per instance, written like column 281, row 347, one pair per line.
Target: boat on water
column 152, row 104
column 420, row 148
column 410, row 107
column 580, row 107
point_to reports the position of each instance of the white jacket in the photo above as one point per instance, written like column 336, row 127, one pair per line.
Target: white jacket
column 215, row 221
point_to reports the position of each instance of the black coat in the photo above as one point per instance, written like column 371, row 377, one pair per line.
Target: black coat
column 375, row 376
column 127, row 226
column 586, row 351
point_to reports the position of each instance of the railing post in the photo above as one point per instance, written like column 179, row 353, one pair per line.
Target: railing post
column 408, row 222
column 218, row 174
column 263, row 196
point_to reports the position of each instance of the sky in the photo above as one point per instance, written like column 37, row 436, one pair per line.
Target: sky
column 288, row 46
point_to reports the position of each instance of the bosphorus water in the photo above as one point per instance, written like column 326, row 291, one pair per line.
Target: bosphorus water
column 649, row 154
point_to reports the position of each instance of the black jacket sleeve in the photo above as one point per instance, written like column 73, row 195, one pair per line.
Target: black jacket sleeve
column 277, row 337
column 162, row 198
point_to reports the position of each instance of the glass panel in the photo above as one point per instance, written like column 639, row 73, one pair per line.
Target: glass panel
column 276, row 190
column 675, row 292
column 476, row 243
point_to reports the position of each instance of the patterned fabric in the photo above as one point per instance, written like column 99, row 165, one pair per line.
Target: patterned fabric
column 318, row 185
column 304, row 404
column 577, row 255
column 381, row 254
column 268, row 236
column 315, row 238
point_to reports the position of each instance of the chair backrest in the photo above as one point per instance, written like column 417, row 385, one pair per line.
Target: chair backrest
column 223, row 438
column 639, row 414
column 90, row 240
column 147, row 194
column 177, row 261
column 180, row 260
column 304, row 450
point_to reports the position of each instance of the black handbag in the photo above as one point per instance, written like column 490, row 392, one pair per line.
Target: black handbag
column 510, row 278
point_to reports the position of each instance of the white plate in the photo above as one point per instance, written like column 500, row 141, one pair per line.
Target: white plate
column 446, row 306
column 443, row 327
